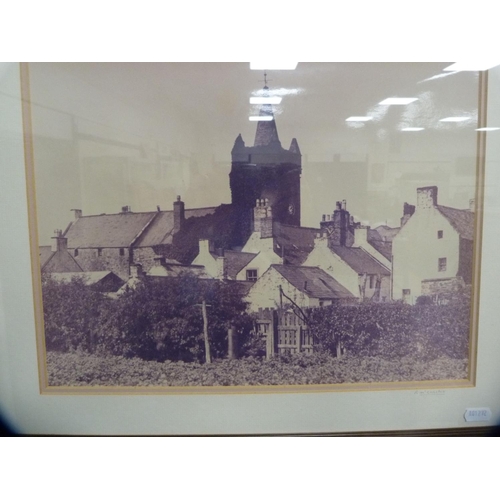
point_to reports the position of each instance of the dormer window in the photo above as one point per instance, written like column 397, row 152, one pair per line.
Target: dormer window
column 440, row 234
column 251, row 274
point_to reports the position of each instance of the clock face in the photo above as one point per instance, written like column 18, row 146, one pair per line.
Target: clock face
column 291, row 209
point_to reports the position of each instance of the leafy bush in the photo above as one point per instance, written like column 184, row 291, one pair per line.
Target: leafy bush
column 72, row 369
column 394, row 330
column 72, row 314
column 159, row 319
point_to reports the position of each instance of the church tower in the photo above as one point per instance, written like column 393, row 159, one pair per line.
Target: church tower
column 267, row 171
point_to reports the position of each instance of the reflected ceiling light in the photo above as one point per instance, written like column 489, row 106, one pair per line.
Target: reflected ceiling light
column 273, row 65
column 487, row 129
column 398, row 101
column 412, row 129
column 265, row 100
column 277, row 92
column 260, row 118
column 455, row 119
column 472, row 66
column 359, row 119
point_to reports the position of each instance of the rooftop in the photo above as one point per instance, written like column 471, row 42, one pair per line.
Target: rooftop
column 359, row 260
column 313, row 281
column 461, row 220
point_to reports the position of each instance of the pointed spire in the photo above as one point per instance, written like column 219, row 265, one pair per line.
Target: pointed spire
column 294, row 147
column 239, row 143
column 266, row 132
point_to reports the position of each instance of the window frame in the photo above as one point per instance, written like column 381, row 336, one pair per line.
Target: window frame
column 253, row 278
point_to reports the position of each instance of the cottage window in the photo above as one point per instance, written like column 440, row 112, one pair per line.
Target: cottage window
column 122, row 251
column 76, row 252
column 442, row 264
column 372, row 281
column 99, row 252
column 440, row 235
column 251, row 274
column 406, row 291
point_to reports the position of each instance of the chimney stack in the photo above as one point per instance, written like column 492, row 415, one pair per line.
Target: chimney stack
column 427, row 197
column 178, row 214
column 78, row 212
column 339, row 225
column 59, row 243
column 205, row 247
column 408, row 211
column 136, row 271
column 360, row 235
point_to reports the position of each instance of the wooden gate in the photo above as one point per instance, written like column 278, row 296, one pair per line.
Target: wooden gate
column 285, row 332
column 293, row 334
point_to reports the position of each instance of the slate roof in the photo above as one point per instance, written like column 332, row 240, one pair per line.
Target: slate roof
column 386, row 233
column 359, row 260
column 91, row 277
column 174, row 270
column 107, row 231
column 296, row 241
column 159, row 231
column 384, row 247
column 143, row 229
column 219, row 226
column 313, row 281
column 236, row 261
column 45, row 253
column 57, row 262
column 461, row 220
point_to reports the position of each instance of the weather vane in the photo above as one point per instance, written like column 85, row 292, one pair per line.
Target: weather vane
column 265, row 79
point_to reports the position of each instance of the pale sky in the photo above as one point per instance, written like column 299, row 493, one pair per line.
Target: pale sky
column 138, row 134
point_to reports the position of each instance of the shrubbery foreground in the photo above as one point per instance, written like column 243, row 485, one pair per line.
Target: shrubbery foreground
column 74, row 369
column 153, row 334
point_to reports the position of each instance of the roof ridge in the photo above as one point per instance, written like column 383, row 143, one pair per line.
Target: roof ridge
column 298, row 227
column 241, row 253
column 120, row 213
column 453, row 208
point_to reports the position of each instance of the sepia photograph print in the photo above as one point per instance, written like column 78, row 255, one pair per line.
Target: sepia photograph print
column 248, row 227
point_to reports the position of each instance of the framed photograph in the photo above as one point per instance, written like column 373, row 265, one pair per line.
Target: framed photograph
column 228, row 231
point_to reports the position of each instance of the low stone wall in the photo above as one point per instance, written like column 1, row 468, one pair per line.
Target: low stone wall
column 443, row 285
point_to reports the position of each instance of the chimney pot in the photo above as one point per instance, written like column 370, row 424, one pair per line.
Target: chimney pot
column 427, row 197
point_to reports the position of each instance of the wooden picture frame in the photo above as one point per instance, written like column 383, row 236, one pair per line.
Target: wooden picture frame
column 430, row 390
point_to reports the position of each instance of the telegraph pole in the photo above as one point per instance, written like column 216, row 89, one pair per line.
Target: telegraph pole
column 208, row 358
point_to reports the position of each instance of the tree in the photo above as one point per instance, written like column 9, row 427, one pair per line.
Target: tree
column 72, row 314
column 161, row 319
